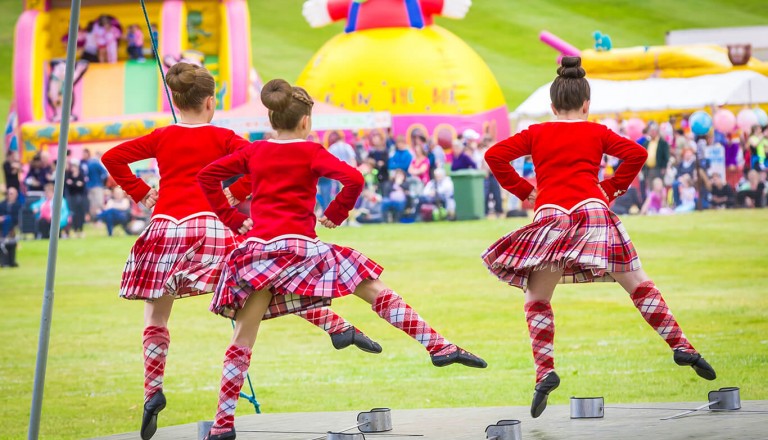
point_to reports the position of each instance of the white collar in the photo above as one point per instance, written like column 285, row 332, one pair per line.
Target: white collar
column 182, row 124
column 286, row 141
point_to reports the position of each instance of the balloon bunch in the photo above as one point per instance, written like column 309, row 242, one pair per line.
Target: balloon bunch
column 726, row 122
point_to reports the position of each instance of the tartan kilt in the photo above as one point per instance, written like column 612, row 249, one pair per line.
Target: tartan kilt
column 589, row 244
column 182, row 259
column 301, row 274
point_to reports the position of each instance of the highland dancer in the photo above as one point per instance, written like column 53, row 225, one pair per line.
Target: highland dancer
column 574, row 237
column 282, row 256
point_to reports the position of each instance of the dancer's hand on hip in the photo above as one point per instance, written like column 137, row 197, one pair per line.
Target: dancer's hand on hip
column 327, row 223
column 247, row 226
column 150, row 199
column 532, row 196
column 231, row 199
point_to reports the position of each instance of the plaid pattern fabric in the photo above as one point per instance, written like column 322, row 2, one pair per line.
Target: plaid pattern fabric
column 541, row 327
column 301, row 273
column 588, row 244
column 393, row 309
column 176, row 259
column 236, row 363
column 155, row 343
column 655, row 311
column 326, row 319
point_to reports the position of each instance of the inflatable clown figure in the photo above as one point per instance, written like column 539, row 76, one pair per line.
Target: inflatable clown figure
column 373, row 14
column 392, row 57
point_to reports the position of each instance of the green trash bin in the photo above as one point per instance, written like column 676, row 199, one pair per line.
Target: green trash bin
column 469, row 194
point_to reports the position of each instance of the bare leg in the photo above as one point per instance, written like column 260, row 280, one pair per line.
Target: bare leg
column 248, row 319
column 368, row 290
column 542, row 283
column 393, row 309
column 630, row 280
column 158, row 311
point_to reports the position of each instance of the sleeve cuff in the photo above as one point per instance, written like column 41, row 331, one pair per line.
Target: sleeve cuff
column 335, row 214
column 138, row 194
column 610, row 190
column 234, row 219
column 524, row 190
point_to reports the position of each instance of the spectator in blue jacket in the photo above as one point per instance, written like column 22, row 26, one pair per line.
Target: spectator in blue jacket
column 9, row 212
column 94, row 184
column 402, row 157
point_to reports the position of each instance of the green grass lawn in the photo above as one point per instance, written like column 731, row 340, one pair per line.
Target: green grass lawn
column 710, row 266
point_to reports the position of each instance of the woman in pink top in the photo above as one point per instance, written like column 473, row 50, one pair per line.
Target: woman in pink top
column 419, row 167
column 656, row 200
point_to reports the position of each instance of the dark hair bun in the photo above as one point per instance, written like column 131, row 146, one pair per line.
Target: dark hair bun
column 277, row 95
column 181, row 77
column 570, row 67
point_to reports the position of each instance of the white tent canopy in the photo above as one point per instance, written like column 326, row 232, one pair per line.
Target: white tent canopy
column 655, row 94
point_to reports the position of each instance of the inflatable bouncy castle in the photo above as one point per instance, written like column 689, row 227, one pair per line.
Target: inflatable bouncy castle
column 118, row 91
column 642, row 62
column 392, row 57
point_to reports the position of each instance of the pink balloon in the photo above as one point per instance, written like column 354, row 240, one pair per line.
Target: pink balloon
column 612, row 124
column 746, row 119
column 724, row 120
column 666, row 130
column 635, row 127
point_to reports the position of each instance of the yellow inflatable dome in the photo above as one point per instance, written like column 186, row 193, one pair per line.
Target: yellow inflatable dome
column 426, row 77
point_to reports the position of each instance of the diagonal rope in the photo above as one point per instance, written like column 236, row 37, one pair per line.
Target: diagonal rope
column 157, row 58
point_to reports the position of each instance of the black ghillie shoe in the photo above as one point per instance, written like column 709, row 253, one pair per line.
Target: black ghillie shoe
column 541, row 392
column 460, row 356
column 695, row 361
column 229, row 435
column 154, row 405
column 353, row 336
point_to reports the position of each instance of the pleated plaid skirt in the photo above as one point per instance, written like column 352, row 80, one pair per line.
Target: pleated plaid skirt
column 588, row 244
column 301, row 273
column 180, row 259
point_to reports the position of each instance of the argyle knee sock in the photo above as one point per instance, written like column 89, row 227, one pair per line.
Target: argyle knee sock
column 156, row 340
column 391, row 307
column 541, row 327
column 652, row 306
column 326, row 319
column 236, row 363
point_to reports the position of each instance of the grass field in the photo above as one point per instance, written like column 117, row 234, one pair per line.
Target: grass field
column 711, row 267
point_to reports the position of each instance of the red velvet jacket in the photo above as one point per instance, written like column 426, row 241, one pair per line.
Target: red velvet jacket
column 284, row 177
column 181, row 151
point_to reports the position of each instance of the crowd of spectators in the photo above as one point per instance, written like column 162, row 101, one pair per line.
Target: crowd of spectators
column 684, row 173
column 408, row 178
column 26, row 201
